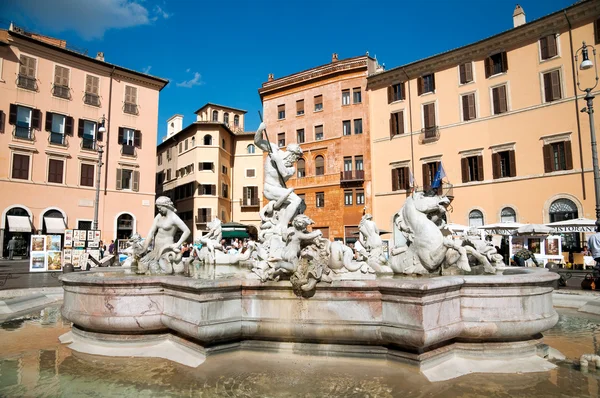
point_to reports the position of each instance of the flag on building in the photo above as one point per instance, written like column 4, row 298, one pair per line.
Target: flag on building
column 439, row 175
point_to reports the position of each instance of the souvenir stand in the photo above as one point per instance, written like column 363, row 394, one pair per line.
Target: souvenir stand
column 583, row 226
column 537, row 239
column 46, row 253
column 79, row 245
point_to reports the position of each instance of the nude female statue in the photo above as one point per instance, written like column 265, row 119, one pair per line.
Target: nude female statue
column 165, row 257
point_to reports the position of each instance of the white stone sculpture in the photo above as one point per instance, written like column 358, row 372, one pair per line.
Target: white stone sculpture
column 373, row 245
column 165, row 255
column 211, row 242
column 133, row 251
column 484, row 252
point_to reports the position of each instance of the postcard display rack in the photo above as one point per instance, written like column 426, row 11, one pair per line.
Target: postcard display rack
column 46, row 253
column 79, row 245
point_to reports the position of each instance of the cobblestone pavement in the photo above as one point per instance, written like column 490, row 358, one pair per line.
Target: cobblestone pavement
column 15, row 275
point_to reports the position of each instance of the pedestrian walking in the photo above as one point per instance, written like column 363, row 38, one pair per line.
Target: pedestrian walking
column 111, row 247
column 12, row 246
column 594, row 248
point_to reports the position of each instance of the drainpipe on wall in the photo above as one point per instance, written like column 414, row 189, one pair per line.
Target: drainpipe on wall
column 108, row 130
column 412, row 153
column 573, row 66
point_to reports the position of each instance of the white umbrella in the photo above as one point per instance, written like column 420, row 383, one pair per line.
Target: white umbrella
column 457, row 227
column 574, row 225
column 534, row 229
column 501, row 228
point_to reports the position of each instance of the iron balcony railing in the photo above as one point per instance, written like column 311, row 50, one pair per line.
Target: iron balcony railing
column 91, row 99
column 250, row 202
column 128, row 150
column 61, row 91
column 130, row 108
column 349, row 175
column 57, row 139
column 429, row 134
column 26, row 82
column 24, row 133
column 88, row 143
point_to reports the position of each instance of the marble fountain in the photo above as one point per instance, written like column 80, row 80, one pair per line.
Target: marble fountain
column 449, row 307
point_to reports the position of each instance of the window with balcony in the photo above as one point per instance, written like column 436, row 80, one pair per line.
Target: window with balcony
column 318, row 133
column 319, row 165
column 359, row 165
column 61, row 82
column 468, row 107
column 400, row 178
column 300, row 136
column 92, row 90
column 552, row 89
column 558, row 156
column 320, row 199
column 347, row 174
column 356, row 95
column 226, row 118
column 27, row 73
column 299, row 107
column 128, row 179
column 251, row 148
column 345, row 97
column 472, row 168
column 396, row 123
column 358, row 129
column 548, row 47
column 55, row 171
column 301, row 168
column 20, row 166
column 215, row 116
column 465, row 72
column 346, row 127
column 429, row 122
column 504, row 164
column 496, row 64
column 360, row 197
column 130, row 105
column 86, row 179
column 348, row 196
column 395, row 92
column 426, row 84
column 281, row 112
column 429, row 171
column 318, row 103
column 281, row 140
column 89, row 134
column 25, row 120
column 129, row 139
column 59, row 126
column 250, row 195
column 499, row 100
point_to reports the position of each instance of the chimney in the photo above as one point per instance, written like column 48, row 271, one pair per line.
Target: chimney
column 100, row 56
column 334, row 57
column 518, row 16
column 271, row 77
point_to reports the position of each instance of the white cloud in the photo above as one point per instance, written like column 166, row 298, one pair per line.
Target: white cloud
column 89, row 18
column 192, row 82
column 188, row 70
column 147, row 69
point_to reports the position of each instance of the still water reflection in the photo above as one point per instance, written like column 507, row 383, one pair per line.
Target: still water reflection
column 34, row 364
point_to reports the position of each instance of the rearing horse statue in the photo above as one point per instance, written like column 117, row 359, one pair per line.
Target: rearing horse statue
column 420, row 220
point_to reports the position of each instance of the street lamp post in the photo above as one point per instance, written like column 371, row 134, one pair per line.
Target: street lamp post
column 587, row 63
column 101, row 129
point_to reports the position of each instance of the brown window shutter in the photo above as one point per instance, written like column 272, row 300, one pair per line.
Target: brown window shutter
column 23, row 63
column 405, row 170
column 69, row 126
column 464, row 167
column 480, row 168
column 555, row 78
column 400, row 122
column 426, row 115
column 395, row 180
column 548, row 164
column 597, row 31
column 2, row 121
column 80, row 128
column 36, row 119
column 58, row 75
column 568, row 156
column 462, row 73
column 121, row 135
column 48, row 124
column 469, row 72
column 502, row 99
column 496, row 100
column 119, row 178
column 547, row 87
column 419, row 85
column 426, row 182
column 31, row 67
column 128, row 94
column 390, row 92
column 433, row 81
column 392, row 125
column 512, row 163
column 488, row 67
column 472, row 112
column 432, row 115
column 136, row 181
column 244, row 194
column 12, row 114
column 95, row 85
column 544, row 47
column 552, row 49
column 88, row 84
column 496, row 165
column 465, row 105
column 403, row 90
column 504, row 61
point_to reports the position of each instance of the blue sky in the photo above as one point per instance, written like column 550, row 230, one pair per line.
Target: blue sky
column 222, row 52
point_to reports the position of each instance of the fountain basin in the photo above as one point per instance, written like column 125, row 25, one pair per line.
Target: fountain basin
column 427, row 321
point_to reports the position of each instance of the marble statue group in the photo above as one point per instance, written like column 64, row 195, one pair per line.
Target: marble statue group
column 287, row 247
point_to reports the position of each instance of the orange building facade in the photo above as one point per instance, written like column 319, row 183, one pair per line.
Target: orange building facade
column 325, row 111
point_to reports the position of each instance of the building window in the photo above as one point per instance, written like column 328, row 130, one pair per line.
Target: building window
column 236, row 121
column 495, row 64
column 348, row 196
column 206, row 166
column 20, row 167
column 224, row 170
column 400, row 178
column 226, row 118
column 472, row 168
column 503, row 164
column 429, row 122
column 318, row 103
column 468, row 107
column 499, row 99
column 396, row 123
column 159, row 159
column 61, row 82
column 223, row 143
column 360, row 197
column 508, row 215
column 426, row 84
column 347, row 175
column 204, row 189
column 281, row 140
column 208, row 139
column 429, row 171
column 250, row 173
column 87, row 175
column 92, row 90
column 358, row 126
column 345, row 97
column 250, row 195
column 320, row 199
column 466, row 72
column 27, row 73
column 193, row 142
column 224, row 190
column 319, row 165
column 251, row 148
column 356, row 95
column 558, row 156
column 25, row 121
column 552, row 91
column 186, row 144
column 55, row 171
column 130, row 105
column 58, row 126
column 301, row 166
column 180, row 147
column 548, row 47
column 346, row 127
column 168, row 174
column 215, row 116
column 358, row 163
column 318, row 133
column 128, row 180
column 300, row 136
column 395, row 92
column 130, row 139
column 475, row 218
column 168, row 154
column 299, row 107
column 280, row 112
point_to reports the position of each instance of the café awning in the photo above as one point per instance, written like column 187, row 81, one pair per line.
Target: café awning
column 457, row 227
column 19, row 224
column 534, row 229
column 55, row 225
column 574, row 225
column 235, row 234
column 501, row 228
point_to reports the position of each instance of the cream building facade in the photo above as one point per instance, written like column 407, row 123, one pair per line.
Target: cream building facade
column 211, row 168
column 52, row 103
column 502, row 118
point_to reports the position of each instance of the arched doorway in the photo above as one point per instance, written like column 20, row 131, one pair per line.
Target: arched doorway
column 53, row 223
column 561, row 210
column 125, row 226
column 17, row 223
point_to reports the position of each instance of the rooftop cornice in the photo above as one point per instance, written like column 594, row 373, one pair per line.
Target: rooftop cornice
column 510, row 39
